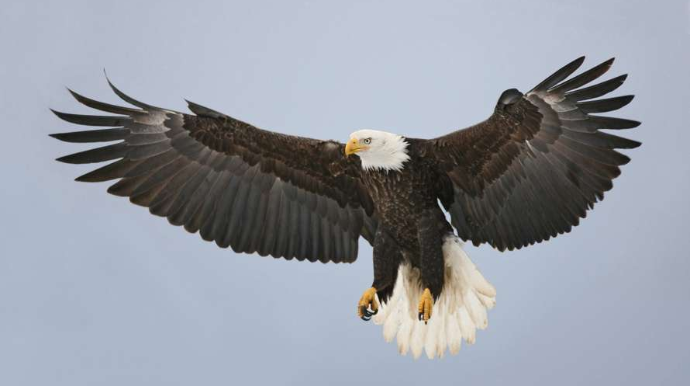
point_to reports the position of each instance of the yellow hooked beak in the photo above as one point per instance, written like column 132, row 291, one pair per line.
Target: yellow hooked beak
column 353, row 147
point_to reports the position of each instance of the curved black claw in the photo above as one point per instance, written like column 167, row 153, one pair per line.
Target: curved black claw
column 421, row 317
column 366, row 314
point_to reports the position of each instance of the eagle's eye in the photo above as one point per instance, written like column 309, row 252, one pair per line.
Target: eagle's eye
column 366, row 141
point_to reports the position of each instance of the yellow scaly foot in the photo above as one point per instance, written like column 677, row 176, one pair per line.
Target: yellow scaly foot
column 426, row 303
column 366, row 302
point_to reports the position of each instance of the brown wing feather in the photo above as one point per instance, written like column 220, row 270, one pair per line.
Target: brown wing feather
column 533, row 169
column 240, row 186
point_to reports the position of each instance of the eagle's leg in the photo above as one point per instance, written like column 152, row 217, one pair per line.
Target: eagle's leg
column 432, row 227
column 387, row 258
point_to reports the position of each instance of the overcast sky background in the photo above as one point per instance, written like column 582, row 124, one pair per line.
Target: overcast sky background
column 94, row 290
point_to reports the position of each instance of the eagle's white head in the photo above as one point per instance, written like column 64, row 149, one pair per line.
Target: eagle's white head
column 378, row 150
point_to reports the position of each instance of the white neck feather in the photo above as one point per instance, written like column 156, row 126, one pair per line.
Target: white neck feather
column 387, row 152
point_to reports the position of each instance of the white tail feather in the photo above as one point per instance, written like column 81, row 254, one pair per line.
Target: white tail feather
column 458, row 312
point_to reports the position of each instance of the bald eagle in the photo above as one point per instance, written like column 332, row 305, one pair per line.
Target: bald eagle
column 528, row 173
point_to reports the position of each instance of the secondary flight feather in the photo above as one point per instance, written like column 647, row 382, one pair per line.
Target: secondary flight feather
column 528, row 173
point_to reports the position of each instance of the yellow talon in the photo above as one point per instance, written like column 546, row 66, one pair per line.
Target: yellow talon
column 367, row 301
column 426, row 303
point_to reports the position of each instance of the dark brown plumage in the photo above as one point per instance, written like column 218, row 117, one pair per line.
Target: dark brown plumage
column 531, row 170
column 237, row 185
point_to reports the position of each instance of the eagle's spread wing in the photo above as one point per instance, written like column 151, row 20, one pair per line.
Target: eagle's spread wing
column 534, row 168
column 240, row 186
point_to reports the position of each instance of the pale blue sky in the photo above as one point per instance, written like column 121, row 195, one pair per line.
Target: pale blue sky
column 94, row 290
